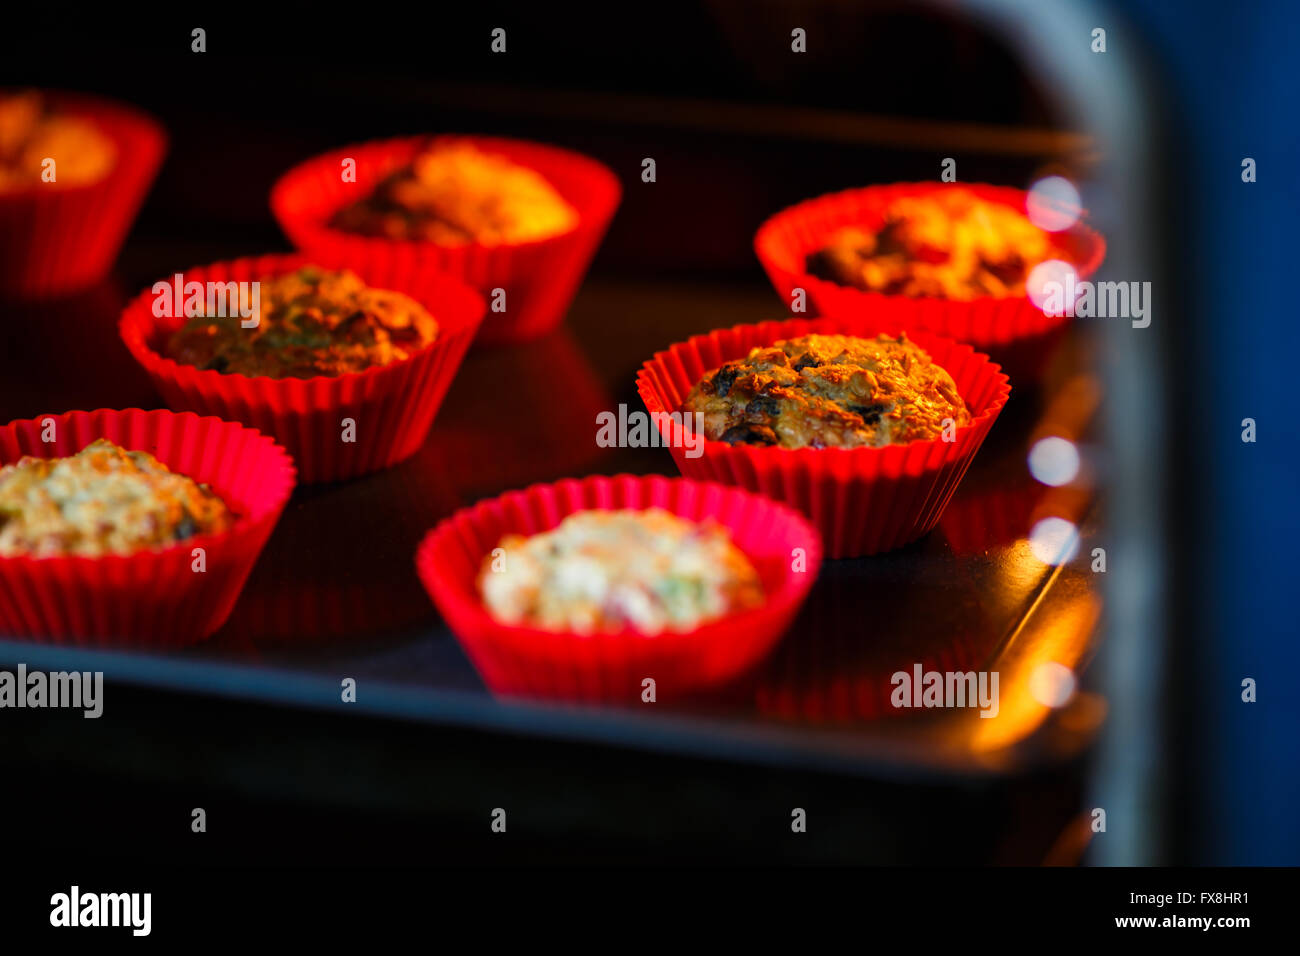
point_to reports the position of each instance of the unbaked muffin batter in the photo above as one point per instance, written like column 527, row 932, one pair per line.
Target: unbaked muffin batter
column 606, row 570
column 102, row 500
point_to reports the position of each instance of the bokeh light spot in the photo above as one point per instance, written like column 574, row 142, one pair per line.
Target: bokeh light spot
column 1054, row 541
column 1052, row 684
column 1053, row 204
column 1054, row 461
column 1053, row 286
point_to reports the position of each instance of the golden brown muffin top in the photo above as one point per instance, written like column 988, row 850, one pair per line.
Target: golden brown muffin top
column 947, row 244
column 102, row 500
column 828, row 391
column 454, row 193
column 31, row 132
column 312, row 322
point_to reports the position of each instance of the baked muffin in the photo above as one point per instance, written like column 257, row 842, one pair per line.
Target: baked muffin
column 828, row 391
column 102, row 500
column 31, row 131
column 946, row 244
column 648, row 570
column 312, row 322
column 453, row 193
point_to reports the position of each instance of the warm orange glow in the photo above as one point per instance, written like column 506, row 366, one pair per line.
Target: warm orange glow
column 1061, row 641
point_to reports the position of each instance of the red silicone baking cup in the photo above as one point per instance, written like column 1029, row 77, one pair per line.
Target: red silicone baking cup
column 1011, row 329
column 55, row 240
column 149, row 598
column 530, row 662
column 540, row 278
column 392, row 406
column 862, row 500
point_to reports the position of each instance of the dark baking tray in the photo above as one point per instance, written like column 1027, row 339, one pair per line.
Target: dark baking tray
column 335, row 593
column 250, row 724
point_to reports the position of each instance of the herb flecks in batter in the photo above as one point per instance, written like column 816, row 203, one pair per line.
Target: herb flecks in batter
column 312, row 322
